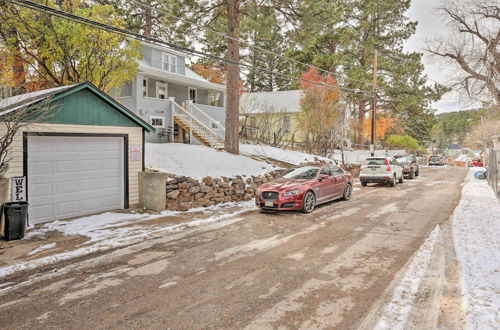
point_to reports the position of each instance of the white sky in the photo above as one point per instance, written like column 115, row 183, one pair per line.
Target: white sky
column 431, row 25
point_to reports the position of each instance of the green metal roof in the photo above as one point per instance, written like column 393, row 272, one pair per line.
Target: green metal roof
column 82, row 104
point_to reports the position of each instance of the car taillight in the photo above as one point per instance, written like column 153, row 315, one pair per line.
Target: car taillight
column 388, row 168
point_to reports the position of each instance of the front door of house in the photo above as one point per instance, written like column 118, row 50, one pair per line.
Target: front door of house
column 161, row 90
column 193, row 94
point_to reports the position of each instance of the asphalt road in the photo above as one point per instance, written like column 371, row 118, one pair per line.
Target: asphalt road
column 255, row 271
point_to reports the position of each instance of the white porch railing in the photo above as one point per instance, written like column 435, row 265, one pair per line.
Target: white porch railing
column 200, row 122
column 208, row 121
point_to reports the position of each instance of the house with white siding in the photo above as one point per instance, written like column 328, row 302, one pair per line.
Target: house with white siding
column 181, row 105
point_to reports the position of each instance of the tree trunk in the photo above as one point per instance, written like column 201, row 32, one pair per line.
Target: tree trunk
column 233, row 77
column 148, row 25
column 361, row 121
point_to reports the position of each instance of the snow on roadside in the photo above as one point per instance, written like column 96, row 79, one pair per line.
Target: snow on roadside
column 287, row 156
column 197, row 161
column 476, row 235
column 42, row 248
column 397, row 311
column 122, row 234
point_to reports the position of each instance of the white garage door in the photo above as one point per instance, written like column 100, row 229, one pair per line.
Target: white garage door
column 74, row 176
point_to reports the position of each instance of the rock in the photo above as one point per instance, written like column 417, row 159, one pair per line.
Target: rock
column 239, row 192
column 249, row 181
column 184, row 185
column 202, row 202
column 180, row 179
column 208, row 181
column 218, row 199
column 194, row 189
column 205, row 188
column 227, row 199
column 173, row 194
column 184, row 206
column 248, row 196
column 171, row 186
column 172, row 204
column 184, row 197
column 237, row 181
column 199, row 195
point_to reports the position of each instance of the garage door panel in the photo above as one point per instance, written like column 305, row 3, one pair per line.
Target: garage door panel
column 40, row 167
column 74, row 176
column 40, row 189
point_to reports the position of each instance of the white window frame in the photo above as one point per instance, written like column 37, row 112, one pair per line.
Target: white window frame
column 195, row 92
column 157, row 117
column 157, row 94
column 171, row 62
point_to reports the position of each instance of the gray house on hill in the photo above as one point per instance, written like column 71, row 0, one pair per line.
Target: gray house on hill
column 181, row 105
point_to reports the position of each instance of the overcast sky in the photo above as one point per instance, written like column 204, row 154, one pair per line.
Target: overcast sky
column 431, row 25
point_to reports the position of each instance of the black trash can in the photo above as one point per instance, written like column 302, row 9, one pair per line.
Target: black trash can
column 16, row 215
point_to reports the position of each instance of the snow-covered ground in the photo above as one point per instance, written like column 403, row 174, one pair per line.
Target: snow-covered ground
column 111, row 230
column 476, row 234
column 398, row 309
column 197, row 161
column 288, row 156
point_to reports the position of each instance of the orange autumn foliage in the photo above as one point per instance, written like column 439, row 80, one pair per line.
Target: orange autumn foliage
column 210, row 73
column 381, row 126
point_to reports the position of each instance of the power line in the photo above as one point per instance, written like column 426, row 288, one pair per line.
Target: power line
column 240, row 40
column 127, row 34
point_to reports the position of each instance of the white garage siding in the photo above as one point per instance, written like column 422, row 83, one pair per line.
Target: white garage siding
column 134, row 139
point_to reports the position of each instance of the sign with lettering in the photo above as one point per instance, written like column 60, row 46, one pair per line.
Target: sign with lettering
column 18, row 188
column 135, row 153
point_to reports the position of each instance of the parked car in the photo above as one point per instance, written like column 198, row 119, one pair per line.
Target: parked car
column 381, row 170
column 477, row 163
column 304, row 188
column 436, row 160
column 410, row 165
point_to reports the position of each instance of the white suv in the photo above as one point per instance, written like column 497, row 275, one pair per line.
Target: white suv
column 382, row 170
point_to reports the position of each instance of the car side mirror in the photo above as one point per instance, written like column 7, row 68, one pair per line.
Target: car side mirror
column 323, row 177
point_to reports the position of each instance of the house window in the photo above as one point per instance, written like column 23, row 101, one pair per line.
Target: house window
column 157, row 121
column 169, row 63
column 193, row 94
column 144, row 87
column 161, row 90
column 286, row 124
column 214, row 99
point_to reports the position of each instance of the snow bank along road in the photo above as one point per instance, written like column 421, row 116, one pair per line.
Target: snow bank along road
column 328, row 269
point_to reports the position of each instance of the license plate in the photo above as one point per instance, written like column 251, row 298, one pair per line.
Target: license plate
column 374, row 169
column 269, row 203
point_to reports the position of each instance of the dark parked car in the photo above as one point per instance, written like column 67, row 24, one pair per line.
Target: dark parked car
column 304, row 188
column 436, row 160
column 410, row 165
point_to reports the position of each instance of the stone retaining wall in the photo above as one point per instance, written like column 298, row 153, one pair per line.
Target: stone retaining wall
column 183, row 193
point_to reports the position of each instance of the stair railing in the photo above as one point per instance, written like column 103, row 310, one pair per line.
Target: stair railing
column 212, row 135
column 207, row 120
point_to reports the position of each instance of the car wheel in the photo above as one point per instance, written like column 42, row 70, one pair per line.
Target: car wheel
column 401, row 178
column 393, row 181
column 417, row 172
column 347, row 192
column 364, row 184
column 309, row 202
column 412, row 175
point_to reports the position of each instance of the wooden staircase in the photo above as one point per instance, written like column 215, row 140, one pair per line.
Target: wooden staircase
column 199, row 131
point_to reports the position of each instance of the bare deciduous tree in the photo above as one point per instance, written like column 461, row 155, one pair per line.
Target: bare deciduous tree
column 473, row 46
column 15, row 116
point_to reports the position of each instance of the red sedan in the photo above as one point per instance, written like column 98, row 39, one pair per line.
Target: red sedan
column 477, row 163
column 304, row 188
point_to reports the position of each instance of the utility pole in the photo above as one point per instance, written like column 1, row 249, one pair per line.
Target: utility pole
column 374, row 103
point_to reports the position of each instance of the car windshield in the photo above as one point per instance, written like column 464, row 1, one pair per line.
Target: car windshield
column 404, row 159
column 307, row 172
column 375, row 161
column 434, row 158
